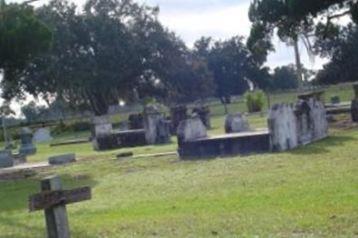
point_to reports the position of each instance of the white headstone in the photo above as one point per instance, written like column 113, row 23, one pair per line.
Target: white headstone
column 191, row 129
column 283, row 127
column 236, row 123
column 42, row 135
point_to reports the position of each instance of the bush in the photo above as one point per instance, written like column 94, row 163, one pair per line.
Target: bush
column 73, row 127
column 255, row 101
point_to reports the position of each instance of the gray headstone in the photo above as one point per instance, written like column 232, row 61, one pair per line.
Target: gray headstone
column 62, row 159
column 282, row 127
column 42, row 135
column 6, row 159
column 236, row 123
column 191, row 129
column 157, row 129
column 101, row 127
column 319, row 119
column 26, row 147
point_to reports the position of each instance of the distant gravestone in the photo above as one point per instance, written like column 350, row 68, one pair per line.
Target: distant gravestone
column 26, row 147
column 191, row 129
column 62, row 159
column 282, row 127
column 6, row 159
column 42, row 135
column 236, row 123
column 157, row 129
column 101, row 128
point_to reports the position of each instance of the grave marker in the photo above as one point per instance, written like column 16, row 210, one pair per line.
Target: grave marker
column 54, row 200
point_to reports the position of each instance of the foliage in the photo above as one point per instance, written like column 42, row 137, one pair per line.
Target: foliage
column 232, row 66
column 22, row 37
column 295, row 20
column 284, row 78
column 73, row 127
column 344, row 59
column 255, row 101
column 33, row 112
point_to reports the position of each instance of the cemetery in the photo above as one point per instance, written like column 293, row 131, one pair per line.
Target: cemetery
column 116, row 125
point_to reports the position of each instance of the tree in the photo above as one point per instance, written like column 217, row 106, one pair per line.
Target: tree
column 232, row 65
column 284, row 78
column 344, row 58
column 294, row 20
column 22, row 37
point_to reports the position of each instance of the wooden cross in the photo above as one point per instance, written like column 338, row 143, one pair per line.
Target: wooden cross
column 53, row 200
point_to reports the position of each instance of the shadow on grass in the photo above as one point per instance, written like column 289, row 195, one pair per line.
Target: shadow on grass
column 14, row 194
column 323, row 146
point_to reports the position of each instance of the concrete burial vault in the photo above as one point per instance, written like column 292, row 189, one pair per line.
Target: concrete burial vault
column 289, row 126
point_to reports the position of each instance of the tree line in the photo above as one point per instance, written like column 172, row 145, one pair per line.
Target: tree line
column 111, row 50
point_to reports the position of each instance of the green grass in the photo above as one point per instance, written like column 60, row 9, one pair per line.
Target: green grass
column 308, row 192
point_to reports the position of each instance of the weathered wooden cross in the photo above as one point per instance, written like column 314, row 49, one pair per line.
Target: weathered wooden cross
column 53, row 200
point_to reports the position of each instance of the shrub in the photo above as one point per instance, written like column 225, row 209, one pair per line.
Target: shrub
column 255, row 101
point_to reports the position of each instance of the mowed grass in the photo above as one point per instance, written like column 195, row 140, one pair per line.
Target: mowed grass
column 308, row 192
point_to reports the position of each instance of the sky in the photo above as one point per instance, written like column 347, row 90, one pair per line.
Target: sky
column 220, row 19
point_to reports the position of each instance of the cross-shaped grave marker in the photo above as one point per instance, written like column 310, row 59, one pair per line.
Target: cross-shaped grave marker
column 53, row 200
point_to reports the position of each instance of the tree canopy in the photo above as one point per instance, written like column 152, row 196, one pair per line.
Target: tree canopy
column 22, row 37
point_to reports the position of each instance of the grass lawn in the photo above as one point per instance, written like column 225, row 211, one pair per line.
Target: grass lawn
column 308, row 192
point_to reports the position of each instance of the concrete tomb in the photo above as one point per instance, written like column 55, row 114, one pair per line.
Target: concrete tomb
column 6, row 159
column 235, row 123
column 194, row 143
column 62, row 159
column 42, row 135
column 26, row 147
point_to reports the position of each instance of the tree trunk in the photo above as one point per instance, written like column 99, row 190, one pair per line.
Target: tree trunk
column 298, row 64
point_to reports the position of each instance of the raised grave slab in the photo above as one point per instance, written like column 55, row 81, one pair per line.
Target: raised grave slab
column 121, row 139
column 226, row 145
column 62, row 159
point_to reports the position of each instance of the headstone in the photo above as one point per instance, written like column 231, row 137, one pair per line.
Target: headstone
column 101, row 128
column 191, row 129
column 319, row 119
column 282, row 127
column 136, row 121
column 236, row 123
column 157, row 129
column 6, row 159
column 177, row 114
column 42, row 135
column 204, row 114
column 62, row 159
column 292, row 126
column 53, row 200
column 26, row 147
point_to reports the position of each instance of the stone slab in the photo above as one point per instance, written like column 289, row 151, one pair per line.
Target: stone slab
column 226, row 145
column 62, row 159
column 120, row 139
